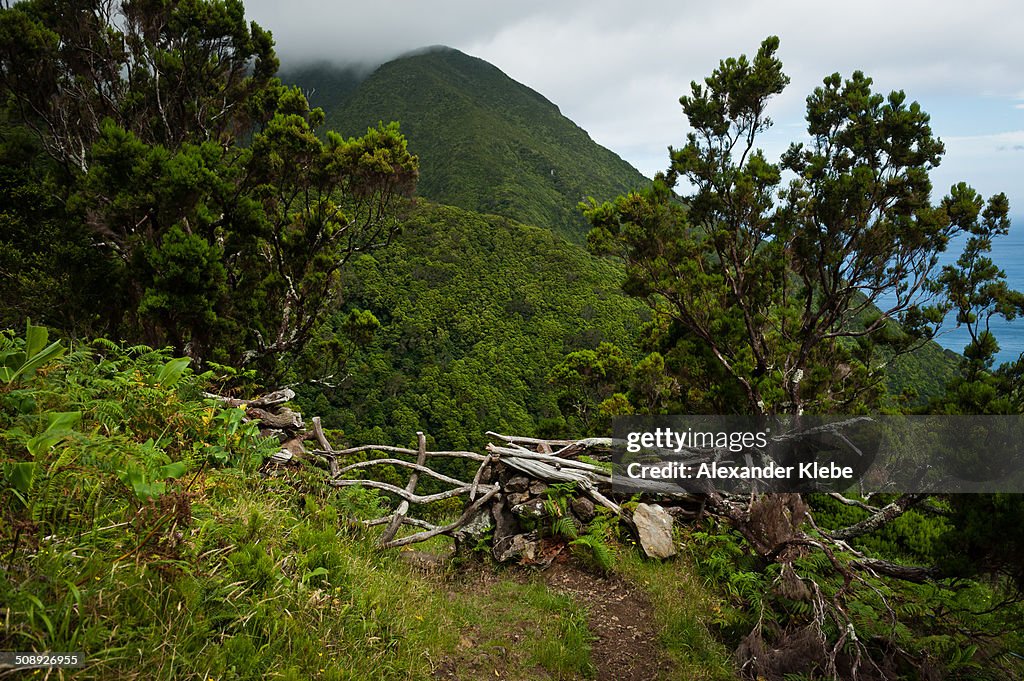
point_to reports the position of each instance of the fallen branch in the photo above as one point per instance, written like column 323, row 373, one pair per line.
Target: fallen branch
column 879, row 518
column 467, row 515
column 405, row 464
column 411, row 498
column 403, row 507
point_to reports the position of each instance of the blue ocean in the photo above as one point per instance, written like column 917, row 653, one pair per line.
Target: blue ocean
column 1007, row 253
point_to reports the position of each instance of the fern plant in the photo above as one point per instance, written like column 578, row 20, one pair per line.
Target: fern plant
column 591, row 542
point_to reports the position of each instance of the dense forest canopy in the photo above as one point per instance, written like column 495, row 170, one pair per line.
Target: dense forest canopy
column 204, row 211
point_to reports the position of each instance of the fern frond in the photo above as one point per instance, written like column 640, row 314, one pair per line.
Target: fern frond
column 565, row 527
column 594, row 550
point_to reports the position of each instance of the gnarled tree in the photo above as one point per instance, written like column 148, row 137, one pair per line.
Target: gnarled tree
column 789, row 289
column 196, row 173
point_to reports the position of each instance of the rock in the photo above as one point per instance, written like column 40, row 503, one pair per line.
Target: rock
column 537, row 488
column 583, row 508
column 517, row 483
column 654, row 526
column 516, row 498
column 474, row 529
column 522, row 546
column 530, row 509
column 427, row 562
column 505, row 523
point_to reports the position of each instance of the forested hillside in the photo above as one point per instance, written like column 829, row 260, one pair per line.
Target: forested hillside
column 193, row 234
column 475, row 313
column 485, row 142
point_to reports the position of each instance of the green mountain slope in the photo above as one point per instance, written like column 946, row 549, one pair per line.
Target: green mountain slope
column 325, row 85
column 486, row 142
column 477, row 310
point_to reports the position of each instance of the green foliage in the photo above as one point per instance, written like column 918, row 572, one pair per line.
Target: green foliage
column 986, row 535
column 116, row 415
column 776, row 288
column 944, row 626
column 19, row 358
column 474, row 314
column 486, row 142
column 593, row 542
column 117, row 534
column 566, row 654
column 219, row 218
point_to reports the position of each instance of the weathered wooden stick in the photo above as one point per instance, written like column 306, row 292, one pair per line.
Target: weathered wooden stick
column 479, row 474
column 276, row 398
column 407, row 464
column 529, row 440
column 318, row 432
column 604, row 444
column 411, row 498
column 550, row 459
column 466, row 516
column 410, row 487
column 544, row 471
column 601, row 499
column 285, row 418
column 327, row 452
column 406, row 520
column 405, row 450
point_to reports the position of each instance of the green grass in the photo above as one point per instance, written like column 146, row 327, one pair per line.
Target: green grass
column 521, row 630
column 222, row 572
column 684, row 610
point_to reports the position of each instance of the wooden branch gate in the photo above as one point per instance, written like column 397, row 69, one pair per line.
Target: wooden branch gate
column 491, row 478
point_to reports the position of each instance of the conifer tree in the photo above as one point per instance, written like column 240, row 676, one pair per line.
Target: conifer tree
column 197, row 176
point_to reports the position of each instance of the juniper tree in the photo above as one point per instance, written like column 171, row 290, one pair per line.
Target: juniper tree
column 789, row 287
column 226, row 219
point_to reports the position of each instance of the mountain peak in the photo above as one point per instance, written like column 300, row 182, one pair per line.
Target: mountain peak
column 485, row 142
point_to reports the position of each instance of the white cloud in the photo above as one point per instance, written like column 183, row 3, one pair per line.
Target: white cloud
column 617, row 68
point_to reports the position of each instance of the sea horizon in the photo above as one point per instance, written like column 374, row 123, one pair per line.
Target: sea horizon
column 1008, row 255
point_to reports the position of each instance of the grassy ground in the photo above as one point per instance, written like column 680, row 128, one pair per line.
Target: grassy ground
column 137, row 528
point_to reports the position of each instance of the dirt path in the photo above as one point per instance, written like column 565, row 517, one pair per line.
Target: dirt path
column 626, row 646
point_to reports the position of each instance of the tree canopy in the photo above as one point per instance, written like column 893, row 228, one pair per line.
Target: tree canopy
column 222, row 220
column 789, row 289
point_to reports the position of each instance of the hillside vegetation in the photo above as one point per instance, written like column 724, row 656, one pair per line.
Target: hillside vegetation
column 138, row 528
column 475, row 313
column 485, row 142
column 188, row 225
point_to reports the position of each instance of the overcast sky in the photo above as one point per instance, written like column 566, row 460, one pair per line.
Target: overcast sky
column 618, row 68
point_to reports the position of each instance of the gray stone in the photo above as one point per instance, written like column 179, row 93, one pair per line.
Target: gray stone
column 583, row 508
column 538, row 487
column 516, row 498
column 530, row 509
column 654, row 526
column 517, row 483
column 522, row 546
column 504, row 522
column 475, row 528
